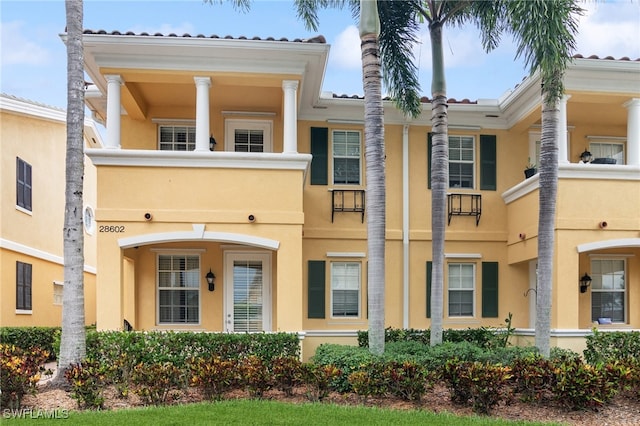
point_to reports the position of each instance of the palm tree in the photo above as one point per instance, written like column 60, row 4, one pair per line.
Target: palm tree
column 73, row 339
column 404, row 87
column 548, row 30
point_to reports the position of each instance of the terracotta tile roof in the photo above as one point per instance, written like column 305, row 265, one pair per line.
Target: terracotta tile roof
column 424, row 99
column 609, row 58
column 317, row 39
column 29, row 101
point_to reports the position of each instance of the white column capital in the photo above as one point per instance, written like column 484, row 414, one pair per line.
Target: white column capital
column 202, row 81
column 114, row 78
column 631, row 103
column 290, row 84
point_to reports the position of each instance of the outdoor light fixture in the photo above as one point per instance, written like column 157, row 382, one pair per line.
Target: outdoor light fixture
column 212, row 143
column 585, row 282
column 210, row 277
column 586, row 156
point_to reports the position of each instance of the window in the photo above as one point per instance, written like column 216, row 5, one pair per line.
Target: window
column 607, row 150
column 58, row 288
column 23, row 184
column 23, row 286
column 461, row 289
column 461, row 158
column 178, row 289
column 608, row 290
column 177, row 138
column 345, row 289
column 248, row 135
column 346, row 157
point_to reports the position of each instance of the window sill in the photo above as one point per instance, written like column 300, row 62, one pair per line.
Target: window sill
column 25, row 211
column 24, row 312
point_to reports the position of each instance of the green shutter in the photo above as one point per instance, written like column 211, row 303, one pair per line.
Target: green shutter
column 320, row 153
column 429, row 147
column 316, row 283
column 429, row 268
column 489, row 289
column 488, row 162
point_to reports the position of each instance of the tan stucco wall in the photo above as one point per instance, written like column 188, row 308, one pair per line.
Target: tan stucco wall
column 36, row 237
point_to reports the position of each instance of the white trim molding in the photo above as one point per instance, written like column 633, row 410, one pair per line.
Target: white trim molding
column 39, row 254
column 607, row 244
column 463, row 255
column 346, row 254
column 198, row 235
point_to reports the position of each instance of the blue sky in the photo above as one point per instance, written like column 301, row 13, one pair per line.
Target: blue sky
column 33, row 58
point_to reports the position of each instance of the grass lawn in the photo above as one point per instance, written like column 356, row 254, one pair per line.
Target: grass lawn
column 256, row 412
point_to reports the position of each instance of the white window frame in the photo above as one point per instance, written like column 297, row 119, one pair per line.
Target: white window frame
column 359, row 288
column 472, row 290
column 231, row 125
column 595, row 276
column 198, row 288
column 190, row 129
column 58, row 289
column 353, row 156
column 611, row 141
column 472, row 161
column 21, row 184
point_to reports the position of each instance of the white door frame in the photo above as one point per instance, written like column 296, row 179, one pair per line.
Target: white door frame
column 229, row 257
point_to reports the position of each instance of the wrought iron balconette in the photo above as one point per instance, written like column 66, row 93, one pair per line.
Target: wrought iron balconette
column 464, row 205
column 347, row 200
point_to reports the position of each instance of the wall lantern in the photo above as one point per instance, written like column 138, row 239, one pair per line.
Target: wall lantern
column 586, row 156
column 212, row 143
column 585, row 282
column 210, row 277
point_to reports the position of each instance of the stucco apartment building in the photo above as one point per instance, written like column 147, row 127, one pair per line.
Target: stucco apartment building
column 231, row 196
column 32, row 176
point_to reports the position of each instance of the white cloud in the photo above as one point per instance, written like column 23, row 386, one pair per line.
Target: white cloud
column 345, row 50
column 17, row 49
column 610, row 29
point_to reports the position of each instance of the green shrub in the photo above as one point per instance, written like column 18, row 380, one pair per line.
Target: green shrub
column 213, row 375
column 578, row 385
column 348, row 359
column 87, row 380
column 19, row 373
column 533, row 378
column 603, row 347
column 370, row 380
column 407, row 380
column 28, row 338
column 255, row 376
column 154, row 382
column 177, row 347
column 287, row 373
column 483, row 384
column 318, row 379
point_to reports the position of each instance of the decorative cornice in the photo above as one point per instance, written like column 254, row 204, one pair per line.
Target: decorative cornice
column 39, row 254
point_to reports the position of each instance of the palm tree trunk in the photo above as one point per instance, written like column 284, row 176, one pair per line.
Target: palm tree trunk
column 72, row 344
column 375, row 172
column 546, row 223
column 439, row 180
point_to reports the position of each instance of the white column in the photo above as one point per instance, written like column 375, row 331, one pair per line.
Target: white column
column 114, row 83
column 202, row 113
column 562, row 131
column 290, row 117
column 633, row 131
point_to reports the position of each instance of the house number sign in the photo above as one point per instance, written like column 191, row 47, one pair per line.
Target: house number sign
column 111, row 228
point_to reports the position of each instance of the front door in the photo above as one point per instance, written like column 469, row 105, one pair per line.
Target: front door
column 247, row 291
